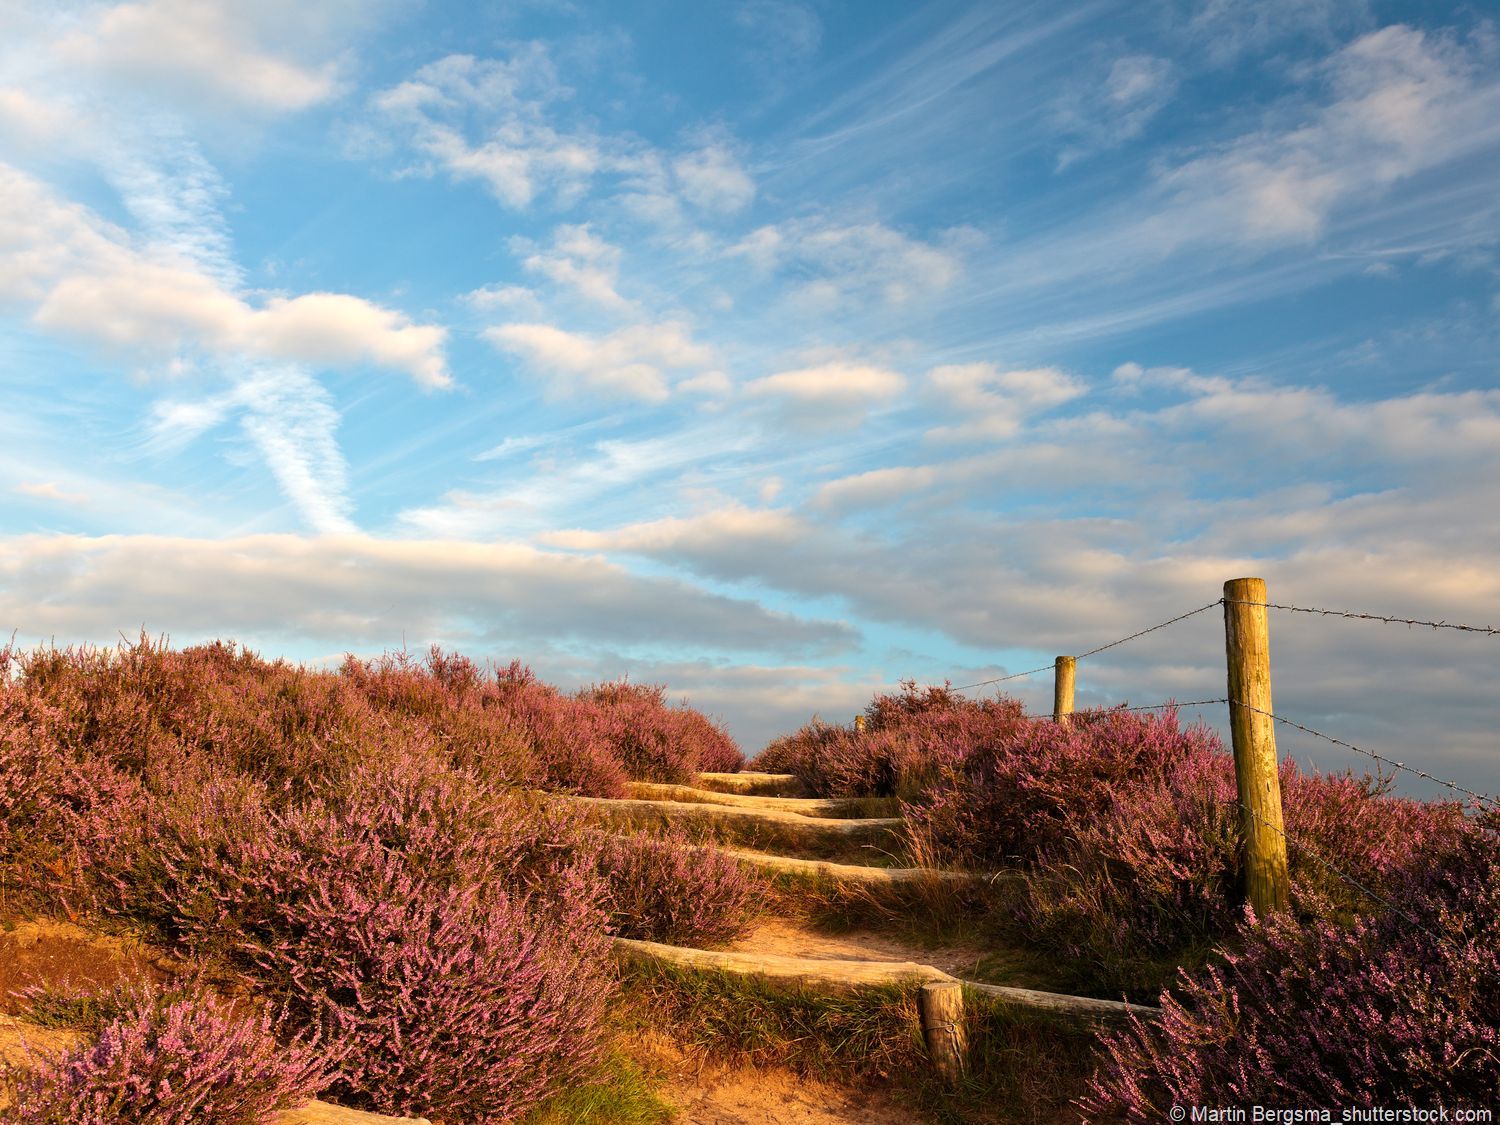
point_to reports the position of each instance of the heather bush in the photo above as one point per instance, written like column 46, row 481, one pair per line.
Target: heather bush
column 445, row 937
column 656, row 742
column 1151, row 877
column 1002, row 789
column 909, row 738
column 1400, row 1008
column 170, row 1061
column 67, row 826
column 663, row 888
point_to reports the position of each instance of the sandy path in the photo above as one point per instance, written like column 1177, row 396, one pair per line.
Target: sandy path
column 711, row 1093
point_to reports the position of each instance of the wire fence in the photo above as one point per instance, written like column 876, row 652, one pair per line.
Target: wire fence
column 1482, row 801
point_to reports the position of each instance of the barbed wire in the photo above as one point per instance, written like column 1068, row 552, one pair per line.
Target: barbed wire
column 1094, row 651
column 1154, row 628
column 1312, row 854
column 1487, row 630
column 1482, row 798
column 1002, row 679
column 1093, row 713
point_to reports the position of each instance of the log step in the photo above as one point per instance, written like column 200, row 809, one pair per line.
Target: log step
column 844, row 976
column 752, row 784
column 762, row 829
column 840, row 808
column 823, row 869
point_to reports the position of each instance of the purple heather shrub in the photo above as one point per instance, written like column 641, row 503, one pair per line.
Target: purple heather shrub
column 68, row 826
column 663, row 888
column 171, row 1061
column 909, row 739
column 1398, row 1009
column 444, row 936
column 1001, row 789
column 572, row 751
column 654, row 741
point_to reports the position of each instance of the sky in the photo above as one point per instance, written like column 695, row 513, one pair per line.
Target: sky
column 774, row 350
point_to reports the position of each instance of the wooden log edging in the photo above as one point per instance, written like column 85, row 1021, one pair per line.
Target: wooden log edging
column 823, row 808
column 813, row 826
column 752, row 783
column 855, row 873
column 844, row 976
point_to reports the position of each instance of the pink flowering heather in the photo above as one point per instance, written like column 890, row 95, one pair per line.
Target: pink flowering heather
column 656, row 742
column 1401, row 1008
column 443, row 936
column 68, row 826
column 666, row 889
column 182, row 1061
column 909, row 737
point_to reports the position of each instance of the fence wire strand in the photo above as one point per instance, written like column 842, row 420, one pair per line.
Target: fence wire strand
column 1485, row 630
column 1312, row 854
column 1154, row 628
column 1482, row 798
column 1095, row 651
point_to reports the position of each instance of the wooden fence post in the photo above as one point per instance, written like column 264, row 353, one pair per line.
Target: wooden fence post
column 941, row 1003
column 1063, row 669
column 1248, row 645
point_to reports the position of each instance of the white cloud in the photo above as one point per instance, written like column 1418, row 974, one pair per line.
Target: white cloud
column 994, row 402
column 1225, row 30
column 1404, row 101
column 1116, row 108
column 50, row 491
column 628, row 362
column 206, row 49
column 696, row 535
column 484, row 119
column 516, row 297
column 293, row 423
column 849, row 263
column 832, row 386
column 714, row 383
column 875, row 487
column 35, row 120
column 347, row 590
column 336, row 328
column 580, row 260
column 85, row 278
column 713, row 180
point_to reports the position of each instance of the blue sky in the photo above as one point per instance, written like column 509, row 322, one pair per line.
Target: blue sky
column 775, row 350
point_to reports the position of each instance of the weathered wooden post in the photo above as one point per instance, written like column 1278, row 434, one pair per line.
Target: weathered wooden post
column 1063, row 669
column 941, row 1003
column 1248, row 645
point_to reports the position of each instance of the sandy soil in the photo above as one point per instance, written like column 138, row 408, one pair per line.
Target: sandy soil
column 708, row 1093
column 64, row 956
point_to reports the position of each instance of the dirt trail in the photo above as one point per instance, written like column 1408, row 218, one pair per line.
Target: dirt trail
column 707, row 1093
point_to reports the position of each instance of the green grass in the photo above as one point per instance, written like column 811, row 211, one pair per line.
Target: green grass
column 1025, row 1066
column 622, row 1094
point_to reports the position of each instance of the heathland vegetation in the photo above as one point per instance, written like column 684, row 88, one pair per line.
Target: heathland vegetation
column 398, row 886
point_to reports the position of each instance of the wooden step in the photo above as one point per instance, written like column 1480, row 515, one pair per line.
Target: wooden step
column 761, row 829
column 844, row 976
column 850, row 808
column 752, row 784
column 822, row 869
